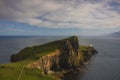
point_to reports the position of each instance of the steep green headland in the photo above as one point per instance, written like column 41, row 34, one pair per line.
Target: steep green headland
column 49, row 61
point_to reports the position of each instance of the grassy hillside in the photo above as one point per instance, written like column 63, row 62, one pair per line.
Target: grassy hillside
column 36, row 52
column 12, row 71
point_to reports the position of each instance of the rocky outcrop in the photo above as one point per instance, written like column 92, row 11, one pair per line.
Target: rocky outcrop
column 68, row 56
column 47, row 63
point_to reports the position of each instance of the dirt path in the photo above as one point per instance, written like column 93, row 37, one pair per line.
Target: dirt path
column 21, row 72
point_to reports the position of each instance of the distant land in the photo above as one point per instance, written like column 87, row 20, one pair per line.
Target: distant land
column 115, row 34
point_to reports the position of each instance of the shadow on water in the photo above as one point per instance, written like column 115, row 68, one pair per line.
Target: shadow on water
column 77, row 74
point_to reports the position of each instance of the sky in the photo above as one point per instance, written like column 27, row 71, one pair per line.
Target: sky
column 59, row 17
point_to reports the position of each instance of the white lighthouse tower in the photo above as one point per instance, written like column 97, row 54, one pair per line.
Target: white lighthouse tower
column 91, row 45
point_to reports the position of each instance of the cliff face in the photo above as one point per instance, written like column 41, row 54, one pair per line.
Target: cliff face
column 67, row 56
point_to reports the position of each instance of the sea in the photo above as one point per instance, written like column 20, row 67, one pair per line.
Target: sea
column 105, row 65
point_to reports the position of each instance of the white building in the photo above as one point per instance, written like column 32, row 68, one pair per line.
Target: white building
column 91, row 45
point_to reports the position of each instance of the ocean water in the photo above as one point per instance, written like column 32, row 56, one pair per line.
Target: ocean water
column 103, row 66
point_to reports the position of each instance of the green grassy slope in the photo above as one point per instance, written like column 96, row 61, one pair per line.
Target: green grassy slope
column 12, row 72
column 36, row 52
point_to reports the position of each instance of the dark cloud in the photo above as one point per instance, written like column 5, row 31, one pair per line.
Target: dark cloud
column 115, row 6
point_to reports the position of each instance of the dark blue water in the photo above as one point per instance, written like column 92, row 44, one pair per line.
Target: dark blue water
column 103, row 66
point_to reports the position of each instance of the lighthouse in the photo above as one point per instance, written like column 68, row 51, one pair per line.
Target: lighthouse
column 91, row 45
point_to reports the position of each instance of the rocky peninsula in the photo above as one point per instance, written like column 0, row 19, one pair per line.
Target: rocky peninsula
column 54, row 59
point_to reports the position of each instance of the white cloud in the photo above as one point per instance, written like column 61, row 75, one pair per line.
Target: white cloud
column 82, row 14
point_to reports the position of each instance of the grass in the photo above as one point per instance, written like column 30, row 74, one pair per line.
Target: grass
column 83, row 48
column 36, row 52
column 12, row 71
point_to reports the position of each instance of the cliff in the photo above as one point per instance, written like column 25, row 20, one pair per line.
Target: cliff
column 57, row 56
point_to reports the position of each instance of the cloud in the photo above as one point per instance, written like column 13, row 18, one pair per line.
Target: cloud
column 82, row 14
